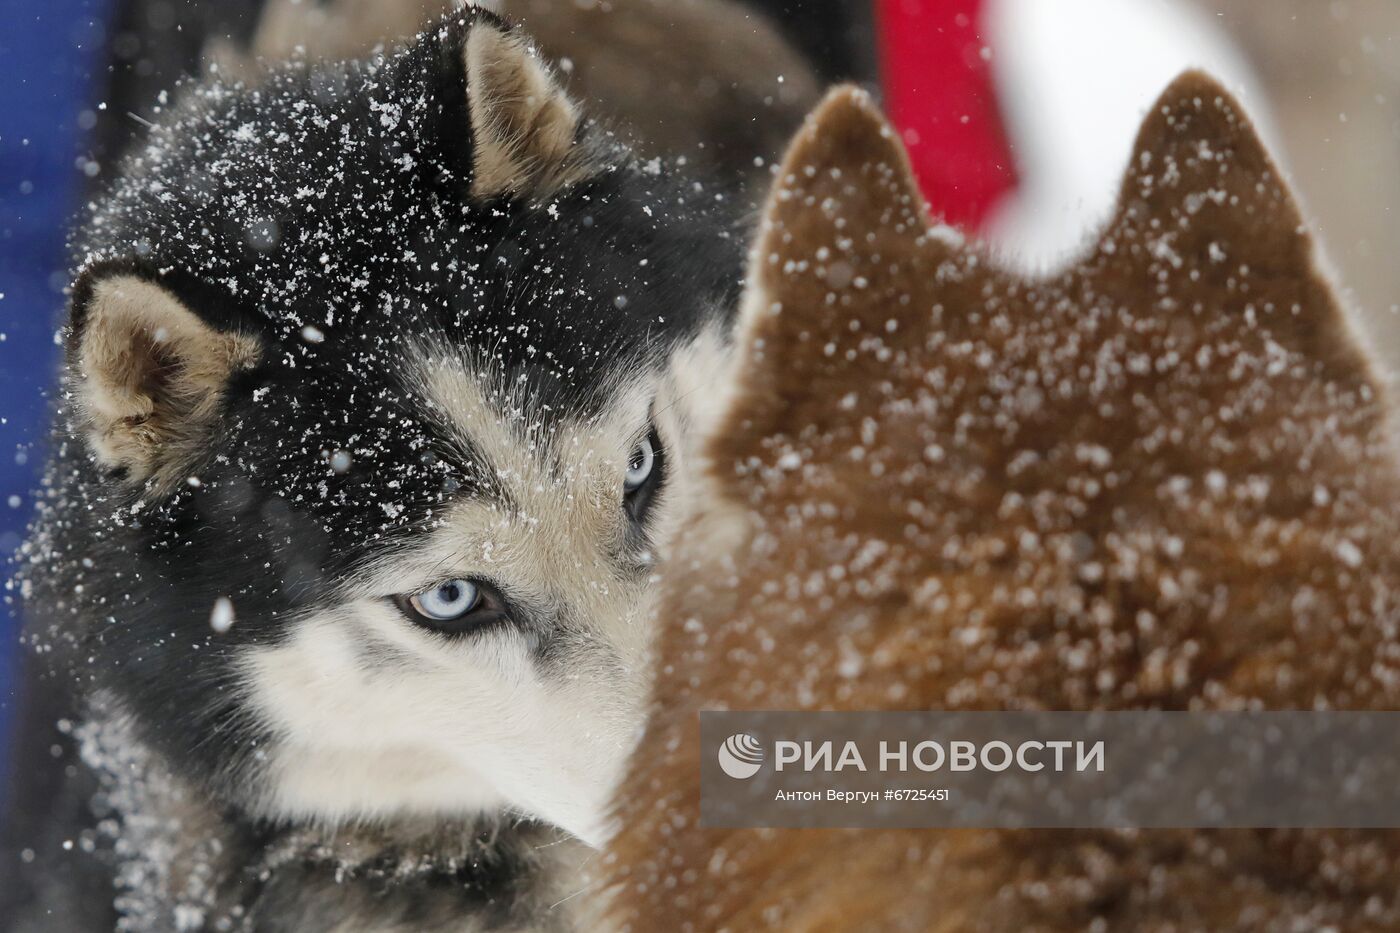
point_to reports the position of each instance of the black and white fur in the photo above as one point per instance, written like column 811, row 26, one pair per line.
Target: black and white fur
column 336, row 339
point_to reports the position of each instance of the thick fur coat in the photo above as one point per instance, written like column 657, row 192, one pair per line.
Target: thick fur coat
column 353, row 336
column 1162, row 479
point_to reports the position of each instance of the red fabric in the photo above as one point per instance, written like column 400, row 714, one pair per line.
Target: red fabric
column 939, row 92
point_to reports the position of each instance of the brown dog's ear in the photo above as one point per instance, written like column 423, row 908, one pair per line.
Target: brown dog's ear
column 846, row 272
column 148, row 376
column 1196, row 150
column 524, row 127
column 1206, row 215
column 842, row 224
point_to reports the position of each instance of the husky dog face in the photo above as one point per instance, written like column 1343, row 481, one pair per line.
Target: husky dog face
column 377, row 384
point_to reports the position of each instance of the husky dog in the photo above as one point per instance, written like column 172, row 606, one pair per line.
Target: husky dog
column 376, row 387
column 1164, row 478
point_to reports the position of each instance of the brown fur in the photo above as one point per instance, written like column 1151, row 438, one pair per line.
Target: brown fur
column 1160, row 479
column 151, row 377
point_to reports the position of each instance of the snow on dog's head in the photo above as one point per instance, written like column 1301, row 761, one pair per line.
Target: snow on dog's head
column 375, row 399
column 1162, row 478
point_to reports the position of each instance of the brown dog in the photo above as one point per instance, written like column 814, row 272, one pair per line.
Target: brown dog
column 1161, row 479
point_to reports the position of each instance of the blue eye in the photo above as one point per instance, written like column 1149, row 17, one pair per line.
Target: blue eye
column 456, row 607
column 449, row 601
column 639, row 466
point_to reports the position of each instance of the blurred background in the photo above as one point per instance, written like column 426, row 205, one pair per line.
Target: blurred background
column 1018, row 115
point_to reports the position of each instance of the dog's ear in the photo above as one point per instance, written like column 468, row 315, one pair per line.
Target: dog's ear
column 1206, row 216
column 844, row 250
column 147, row 375
column 844, row 209
column 524, row 127
column 1200, row 170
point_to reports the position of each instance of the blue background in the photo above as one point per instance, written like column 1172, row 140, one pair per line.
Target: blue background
column 50, row 74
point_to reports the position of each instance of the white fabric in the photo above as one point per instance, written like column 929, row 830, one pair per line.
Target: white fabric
column 1076, row 78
